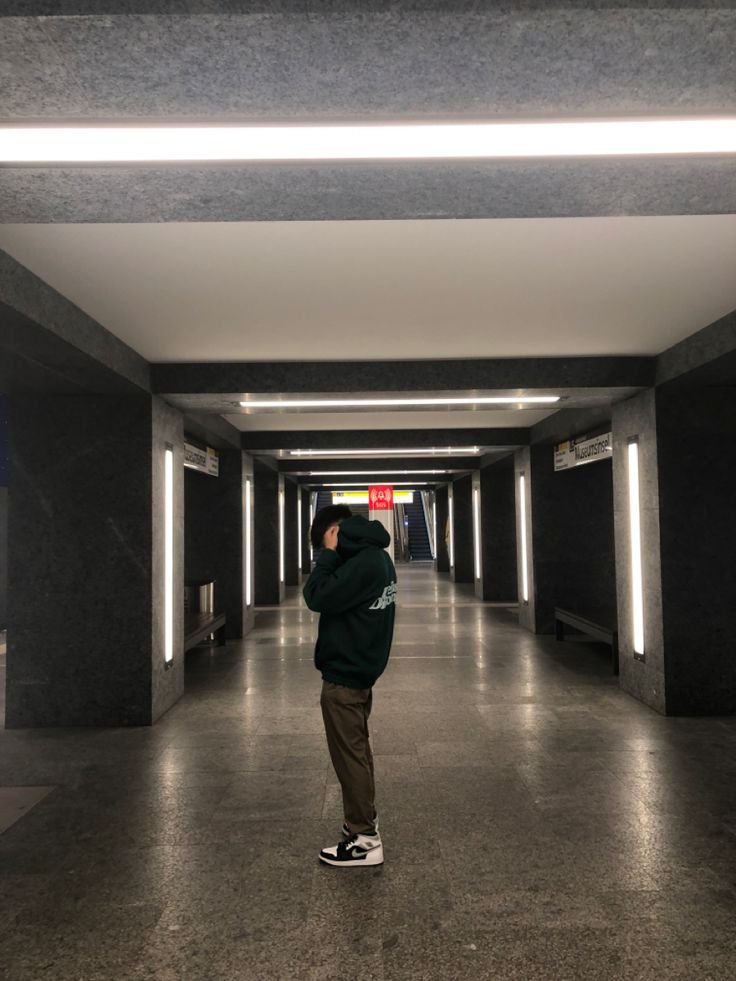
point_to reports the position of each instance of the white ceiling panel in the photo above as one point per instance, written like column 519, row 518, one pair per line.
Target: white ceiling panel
column 358, row 290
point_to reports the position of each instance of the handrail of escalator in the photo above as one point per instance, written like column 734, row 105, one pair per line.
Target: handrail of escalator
column 428, row 521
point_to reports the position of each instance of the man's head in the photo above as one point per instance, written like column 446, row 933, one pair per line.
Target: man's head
column 333, row 514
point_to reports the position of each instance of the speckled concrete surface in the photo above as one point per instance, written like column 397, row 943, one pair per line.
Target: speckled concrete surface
column 538, row 823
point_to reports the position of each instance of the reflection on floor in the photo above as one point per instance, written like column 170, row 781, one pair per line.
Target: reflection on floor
column 537, row 823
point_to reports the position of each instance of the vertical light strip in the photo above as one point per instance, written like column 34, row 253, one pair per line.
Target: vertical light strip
column 281, row 536
column 299, row 529
column 169, row 555
column 637, row 590
column 524, row 561
column 452, row 528
column 434, row 524
column 476, row 530
column 312, row 497
column 248, row 565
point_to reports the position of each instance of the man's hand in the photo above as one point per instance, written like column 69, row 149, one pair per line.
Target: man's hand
column 330, row 539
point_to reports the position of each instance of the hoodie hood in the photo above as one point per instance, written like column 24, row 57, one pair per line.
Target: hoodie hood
column 357, row 533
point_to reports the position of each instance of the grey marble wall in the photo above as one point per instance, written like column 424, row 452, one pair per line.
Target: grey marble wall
column 291, row 533
column 462, row 525
column 3, row 556
column 166, row 681
column 644, row 680
column 498, row 532
column 269, row 590
column 81, row 582
column 572, row 539
column 442, row 560
column 214, row 534
column 696, row 429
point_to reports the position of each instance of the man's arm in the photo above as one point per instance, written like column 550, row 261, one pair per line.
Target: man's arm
column 334, row 586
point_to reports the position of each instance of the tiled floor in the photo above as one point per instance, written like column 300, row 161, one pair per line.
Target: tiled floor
column 537, row 823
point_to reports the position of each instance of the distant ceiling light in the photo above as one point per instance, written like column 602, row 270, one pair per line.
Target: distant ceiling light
column 367, row 473
column 433, row 451
column 394, row 483
column 374, row 403
column 562, row 138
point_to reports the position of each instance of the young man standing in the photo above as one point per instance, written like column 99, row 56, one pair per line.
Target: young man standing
column 353, row 588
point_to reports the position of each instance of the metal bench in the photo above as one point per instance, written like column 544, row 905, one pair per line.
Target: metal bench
column 197, row 626
column 600, row 625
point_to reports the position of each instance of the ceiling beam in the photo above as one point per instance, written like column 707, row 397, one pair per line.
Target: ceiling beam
column 359, row 439
column 392, row 464
column 513, row 375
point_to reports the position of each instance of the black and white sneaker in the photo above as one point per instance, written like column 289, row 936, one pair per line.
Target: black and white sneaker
column 345, row 830
column 355, row 850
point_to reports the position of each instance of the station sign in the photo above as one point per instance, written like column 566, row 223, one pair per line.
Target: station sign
column 578, row 452
column 361, row 497
column 205, row 459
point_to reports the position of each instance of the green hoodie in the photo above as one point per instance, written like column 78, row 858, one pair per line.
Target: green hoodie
column 354, row 590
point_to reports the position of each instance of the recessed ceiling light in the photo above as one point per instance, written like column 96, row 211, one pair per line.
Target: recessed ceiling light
column 561, row 138
column 431, row 451
column 367, row 473
column 381, row 403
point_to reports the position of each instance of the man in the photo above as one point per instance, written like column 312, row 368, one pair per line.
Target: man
column 353, row 588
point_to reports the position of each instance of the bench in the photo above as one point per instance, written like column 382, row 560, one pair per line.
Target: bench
column 197, row 626
column 600, row 625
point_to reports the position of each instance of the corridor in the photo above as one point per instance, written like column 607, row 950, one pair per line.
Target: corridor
column 538, row 823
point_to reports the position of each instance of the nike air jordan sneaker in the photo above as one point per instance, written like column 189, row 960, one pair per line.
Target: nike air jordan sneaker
column 355, row 851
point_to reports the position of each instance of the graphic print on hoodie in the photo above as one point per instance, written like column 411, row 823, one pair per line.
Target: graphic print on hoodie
column 354, row 590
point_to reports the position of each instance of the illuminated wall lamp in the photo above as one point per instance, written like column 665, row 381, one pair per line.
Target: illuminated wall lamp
column 299, row 528
column 169, row 554
column 637, row 586
column 451, row 523
column 281, row 536
column 476, row 530
column 248, row 558
column 524, row 559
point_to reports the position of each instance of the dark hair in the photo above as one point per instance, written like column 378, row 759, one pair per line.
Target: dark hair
column 323, row 519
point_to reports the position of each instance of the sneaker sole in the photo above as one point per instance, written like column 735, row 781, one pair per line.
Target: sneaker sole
column 370, row 859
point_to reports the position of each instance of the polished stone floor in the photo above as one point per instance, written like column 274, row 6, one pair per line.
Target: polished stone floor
column 537, row 823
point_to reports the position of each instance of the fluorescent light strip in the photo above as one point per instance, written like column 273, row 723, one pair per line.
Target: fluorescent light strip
column 382, row 403
column 366, row 473
column 434, row 526
column 281, row 536
column 248, row 566
column 415, row 141
column 524, row 560
column 451, row 523
column 394, row 483
column 476, row 531
column 299, row 528
column 433, row 451
column 637, row 589
column 169, row 556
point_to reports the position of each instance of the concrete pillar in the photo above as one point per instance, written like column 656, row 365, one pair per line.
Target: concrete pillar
column 461, row 492
column 442, row 558
column 268, row 495
column 291, row 533
column 498, row 533
column 214, row 535
column 86, row 567
column 688, row 543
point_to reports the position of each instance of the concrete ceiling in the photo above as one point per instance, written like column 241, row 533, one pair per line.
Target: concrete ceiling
column 276, row 263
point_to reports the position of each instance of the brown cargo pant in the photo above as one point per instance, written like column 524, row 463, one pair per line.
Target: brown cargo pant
column 345, row 712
